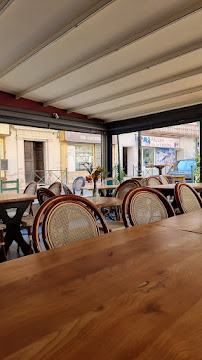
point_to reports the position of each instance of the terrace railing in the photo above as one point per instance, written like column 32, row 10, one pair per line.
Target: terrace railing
column 46, row 177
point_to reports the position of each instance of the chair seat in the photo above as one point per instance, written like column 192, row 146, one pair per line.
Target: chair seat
column 27, row 220
column 115, row 225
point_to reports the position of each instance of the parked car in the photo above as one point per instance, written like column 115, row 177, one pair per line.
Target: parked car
column 183, row 167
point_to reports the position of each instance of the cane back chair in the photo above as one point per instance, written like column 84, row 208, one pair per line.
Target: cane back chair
column 67, row 191
column 56, row 188
column 153, row 180
column 164, row 180
column 77, row 185
column 186, row 198
column 144, row 206
column 126, row 186
column 43, row 195
column 30, row 189
column 67, row 219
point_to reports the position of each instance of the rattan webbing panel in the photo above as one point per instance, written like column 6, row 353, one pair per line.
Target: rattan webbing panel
column 69, row 223
column 146, row 208
column 188, row 200
column 125, row 189
column 153, row 181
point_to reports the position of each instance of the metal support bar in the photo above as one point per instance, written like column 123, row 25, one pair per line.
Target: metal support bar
column 139, row 154
column 200, row 149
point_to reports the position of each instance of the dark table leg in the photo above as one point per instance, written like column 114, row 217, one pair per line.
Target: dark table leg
column 13, row 225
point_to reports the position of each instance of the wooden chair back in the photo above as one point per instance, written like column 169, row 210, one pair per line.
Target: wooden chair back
column 153, row 180
column 125, row 187
column 145, row 205
column 67, row 218
column 56, row 188
column 186, row 198
column 43, row 195
column 67, row 191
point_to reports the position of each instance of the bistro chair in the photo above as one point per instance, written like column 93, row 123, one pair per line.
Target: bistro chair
column 164, row 179
column 67, row 191
column 66, row 219
column 31, row 189
column 144, row 206
column 187, row 199
column 2, row 241
column 43, row 195
column 121, row 192
column 56, row 188
column 77, row 185
column 153, row 181
column 126, row 186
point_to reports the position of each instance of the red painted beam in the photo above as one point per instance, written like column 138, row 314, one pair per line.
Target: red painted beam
column 9, row 100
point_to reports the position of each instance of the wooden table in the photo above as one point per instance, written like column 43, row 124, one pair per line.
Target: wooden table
column 159, row 167
column 104, row 201
column 188, row 222
column 20, row 202
column 101, row 187
column 168, row 189
column 135, row 293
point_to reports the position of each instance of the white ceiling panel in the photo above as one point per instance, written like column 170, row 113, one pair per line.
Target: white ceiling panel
column 93, row 57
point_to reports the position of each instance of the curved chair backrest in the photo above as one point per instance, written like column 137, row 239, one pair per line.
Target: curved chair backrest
column 186, row 198
column 144, row 206
column 30, row 189
column 68, row 218
column 126, row 186
column 78, row 183
column 56, row 188
column 67, row 191
column 44, row 194
column 153, row 180
column 164, row 179
column 112, row 181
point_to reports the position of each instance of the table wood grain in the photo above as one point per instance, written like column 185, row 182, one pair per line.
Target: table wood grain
column 104, row 201
column 12, row 197
column 100, row 187
column 135, row 293
column 168, row 189
column 190, row 222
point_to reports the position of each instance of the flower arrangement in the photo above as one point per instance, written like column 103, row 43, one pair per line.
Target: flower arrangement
column 94, row 176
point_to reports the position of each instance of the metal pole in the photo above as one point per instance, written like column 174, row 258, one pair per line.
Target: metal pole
column 200, row 149
column 66, row 176
column 139, row 154
column 119, row 160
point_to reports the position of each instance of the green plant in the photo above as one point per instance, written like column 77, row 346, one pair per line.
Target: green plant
column 116, row 173
column 197, row 170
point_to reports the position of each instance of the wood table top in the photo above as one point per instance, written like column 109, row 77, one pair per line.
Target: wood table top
column 169, row 188
column 135, row 293
column 12, row 197
column 104, row 201
column 190, row 222
column 100, row 187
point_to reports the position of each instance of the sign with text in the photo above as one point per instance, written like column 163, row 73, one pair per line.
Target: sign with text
column 160, row 142
column 78, row 137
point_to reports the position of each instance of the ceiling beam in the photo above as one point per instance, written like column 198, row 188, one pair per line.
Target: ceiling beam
column 166, row 118
column 4, row 4
column 145, row 66
column 138, row 89
column 126, row 42
column 57, row 36
column 20, row 117
column 158, row 109
column 147, row 101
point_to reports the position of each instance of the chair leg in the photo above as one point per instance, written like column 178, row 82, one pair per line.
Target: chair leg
column 29, row 229
column 2, row 243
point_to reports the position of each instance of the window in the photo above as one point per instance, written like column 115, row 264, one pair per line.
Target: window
column 83, row 153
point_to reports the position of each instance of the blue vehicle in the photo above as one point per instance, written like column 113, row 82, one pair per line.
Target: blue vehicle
column 184, row 168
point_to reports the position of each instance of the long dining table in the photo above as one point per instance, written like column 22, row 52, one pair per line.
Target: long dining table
column 19, row 203
column 132, row 294
column 168, row 189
